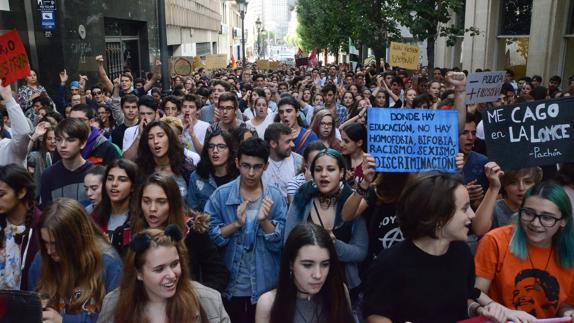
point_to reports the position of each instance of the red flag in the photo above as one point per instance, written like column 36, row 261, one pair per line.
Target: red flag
column 313, row 59
column 233, row 62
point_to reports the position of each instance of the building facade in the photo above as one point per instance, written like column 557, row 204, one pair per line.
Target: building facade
column 69, row 35
column 193, row 27
column 530, row 37
column 230, row 31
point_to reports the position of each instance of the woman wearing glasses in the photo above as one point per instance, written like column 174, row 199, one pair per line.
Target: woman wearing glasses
column 528, row 266
column 216, row 167
column 324, row 126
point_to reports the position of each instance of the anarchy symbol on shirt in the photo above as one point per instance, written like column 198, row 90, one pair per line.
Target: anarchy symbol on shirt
column 393, row 236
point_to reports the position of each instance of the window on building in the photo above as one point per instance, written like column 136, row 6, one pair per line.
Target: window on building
column 513, row 37
column 459, row 22
column 516, row 17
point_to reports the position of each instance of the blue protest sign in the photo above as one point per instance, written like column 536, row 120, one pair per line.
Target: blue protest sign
column 413, row 140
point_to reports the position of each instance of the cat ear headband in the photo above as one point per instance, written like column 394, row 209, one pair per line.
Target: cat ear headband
column 142, row 241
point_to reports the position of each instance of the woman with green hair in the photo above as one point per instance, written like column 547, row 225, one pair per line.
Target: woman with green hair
column 529, row 266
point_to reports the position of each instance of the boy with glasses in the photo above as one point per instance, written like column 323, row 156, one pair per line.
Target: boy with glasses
column 247, row 221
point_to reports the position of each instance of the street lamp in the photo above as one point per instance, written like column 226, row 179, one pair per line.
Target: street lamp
column 242, row 4
column 258, row 24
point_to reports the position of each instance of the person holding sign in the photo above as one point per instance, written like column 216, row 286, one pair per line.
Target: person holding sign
column 528, row 266
column 13, row 150
column 353, row 147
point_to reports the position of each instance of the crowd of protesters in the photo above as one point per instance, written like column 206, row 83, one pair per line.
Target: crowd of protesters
column 245, row 195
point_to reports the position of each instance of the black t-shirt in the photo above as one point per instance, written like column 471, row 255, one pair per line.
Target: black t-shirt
column 223, row 179
column 118, row 135
column 382, row 225
column 407, row 284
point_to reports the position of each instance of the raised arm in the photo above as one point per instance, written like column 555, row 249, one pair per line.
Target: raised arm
column 155, row 77
column 458, row 80
column 117, row 112
column 482, row 222
column 107, row 83
column 18, row 145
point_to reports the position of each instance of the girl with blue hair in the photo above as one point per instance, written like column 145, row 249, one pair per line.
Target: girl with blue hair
column 529, row 266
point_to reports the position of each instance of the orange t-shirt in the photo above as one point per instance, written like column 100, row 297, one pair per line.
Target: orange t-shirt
column 525, row 285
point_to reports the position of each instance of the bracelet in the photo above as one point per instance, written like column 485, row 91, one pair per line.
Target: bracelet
column 363, row 193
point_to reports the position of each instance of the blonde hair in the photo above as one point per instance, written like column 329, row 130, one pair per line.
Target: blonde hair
column 174, row 123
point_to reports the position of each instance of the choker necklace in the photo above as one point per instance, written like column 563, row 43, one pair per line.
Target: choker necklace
column 307, row 295
column 326, row 201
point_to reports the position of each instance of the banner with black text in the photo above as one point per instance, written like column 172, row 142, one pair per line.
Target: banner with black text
column 530, row 134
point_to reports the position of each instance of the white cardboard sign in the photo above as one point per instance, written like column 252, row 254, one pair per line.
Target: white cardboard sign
column 484, row 87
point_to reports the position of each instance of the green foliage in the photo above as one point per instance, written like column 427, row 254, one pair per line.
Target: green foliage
column 330, row 23
column 422, row 17
column 452, row 32
column 322, row 24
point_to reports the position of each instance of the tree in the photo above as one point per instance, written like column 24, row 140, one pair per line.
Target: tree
column 374, row 24
column 330, row 24
column 423, row 17
column 323, row 24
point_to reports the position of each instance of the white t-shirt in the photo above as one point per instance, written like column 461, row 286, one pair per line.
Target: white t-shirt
column 200, row 129
column 263, row 125
column 129, row 137
column 250, row 114
column 279, row 173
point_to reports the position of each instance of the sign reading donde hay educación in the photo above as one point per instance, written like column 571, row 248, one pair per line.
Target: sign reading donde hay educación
column 407, row 140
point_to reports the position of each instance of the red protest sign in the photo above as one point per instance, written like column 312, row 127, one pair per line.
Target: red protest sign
column 14, row 63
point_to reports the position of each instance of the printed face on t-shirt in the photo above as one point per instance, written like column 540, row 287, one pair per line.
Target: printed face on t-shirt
column 535, row 291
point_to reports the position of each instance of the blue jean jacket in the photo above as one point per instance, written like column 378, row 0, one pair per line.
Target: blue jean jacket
column 222, row 207
column 112, row 272
column 199, row 190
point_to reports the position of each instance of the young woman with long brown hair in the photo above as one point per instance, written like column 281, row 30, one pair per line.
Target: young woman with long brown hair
column 160, row 205
column 155, row 287
column 311, row 284
column 76, row 267
column 18, row 226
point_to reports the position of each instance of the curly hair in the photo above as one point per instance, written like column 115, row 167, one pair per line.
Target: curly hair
column 145, row 158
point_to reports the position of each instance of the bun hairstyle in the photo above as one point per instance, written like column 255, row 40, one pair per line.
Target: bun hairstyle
column 184, row 306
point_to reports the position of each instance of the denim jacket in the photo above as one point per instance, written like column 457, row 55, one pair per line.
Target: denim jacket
column 222, row 207
column 112, row 272
column 199, row 190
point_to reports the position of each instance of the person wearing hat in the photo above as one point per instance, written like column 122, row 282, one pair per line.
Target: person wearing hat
column 75, row 87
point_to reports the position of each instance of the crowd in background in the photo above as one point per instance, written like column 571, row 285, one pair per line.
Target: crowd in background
column 249, row 195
